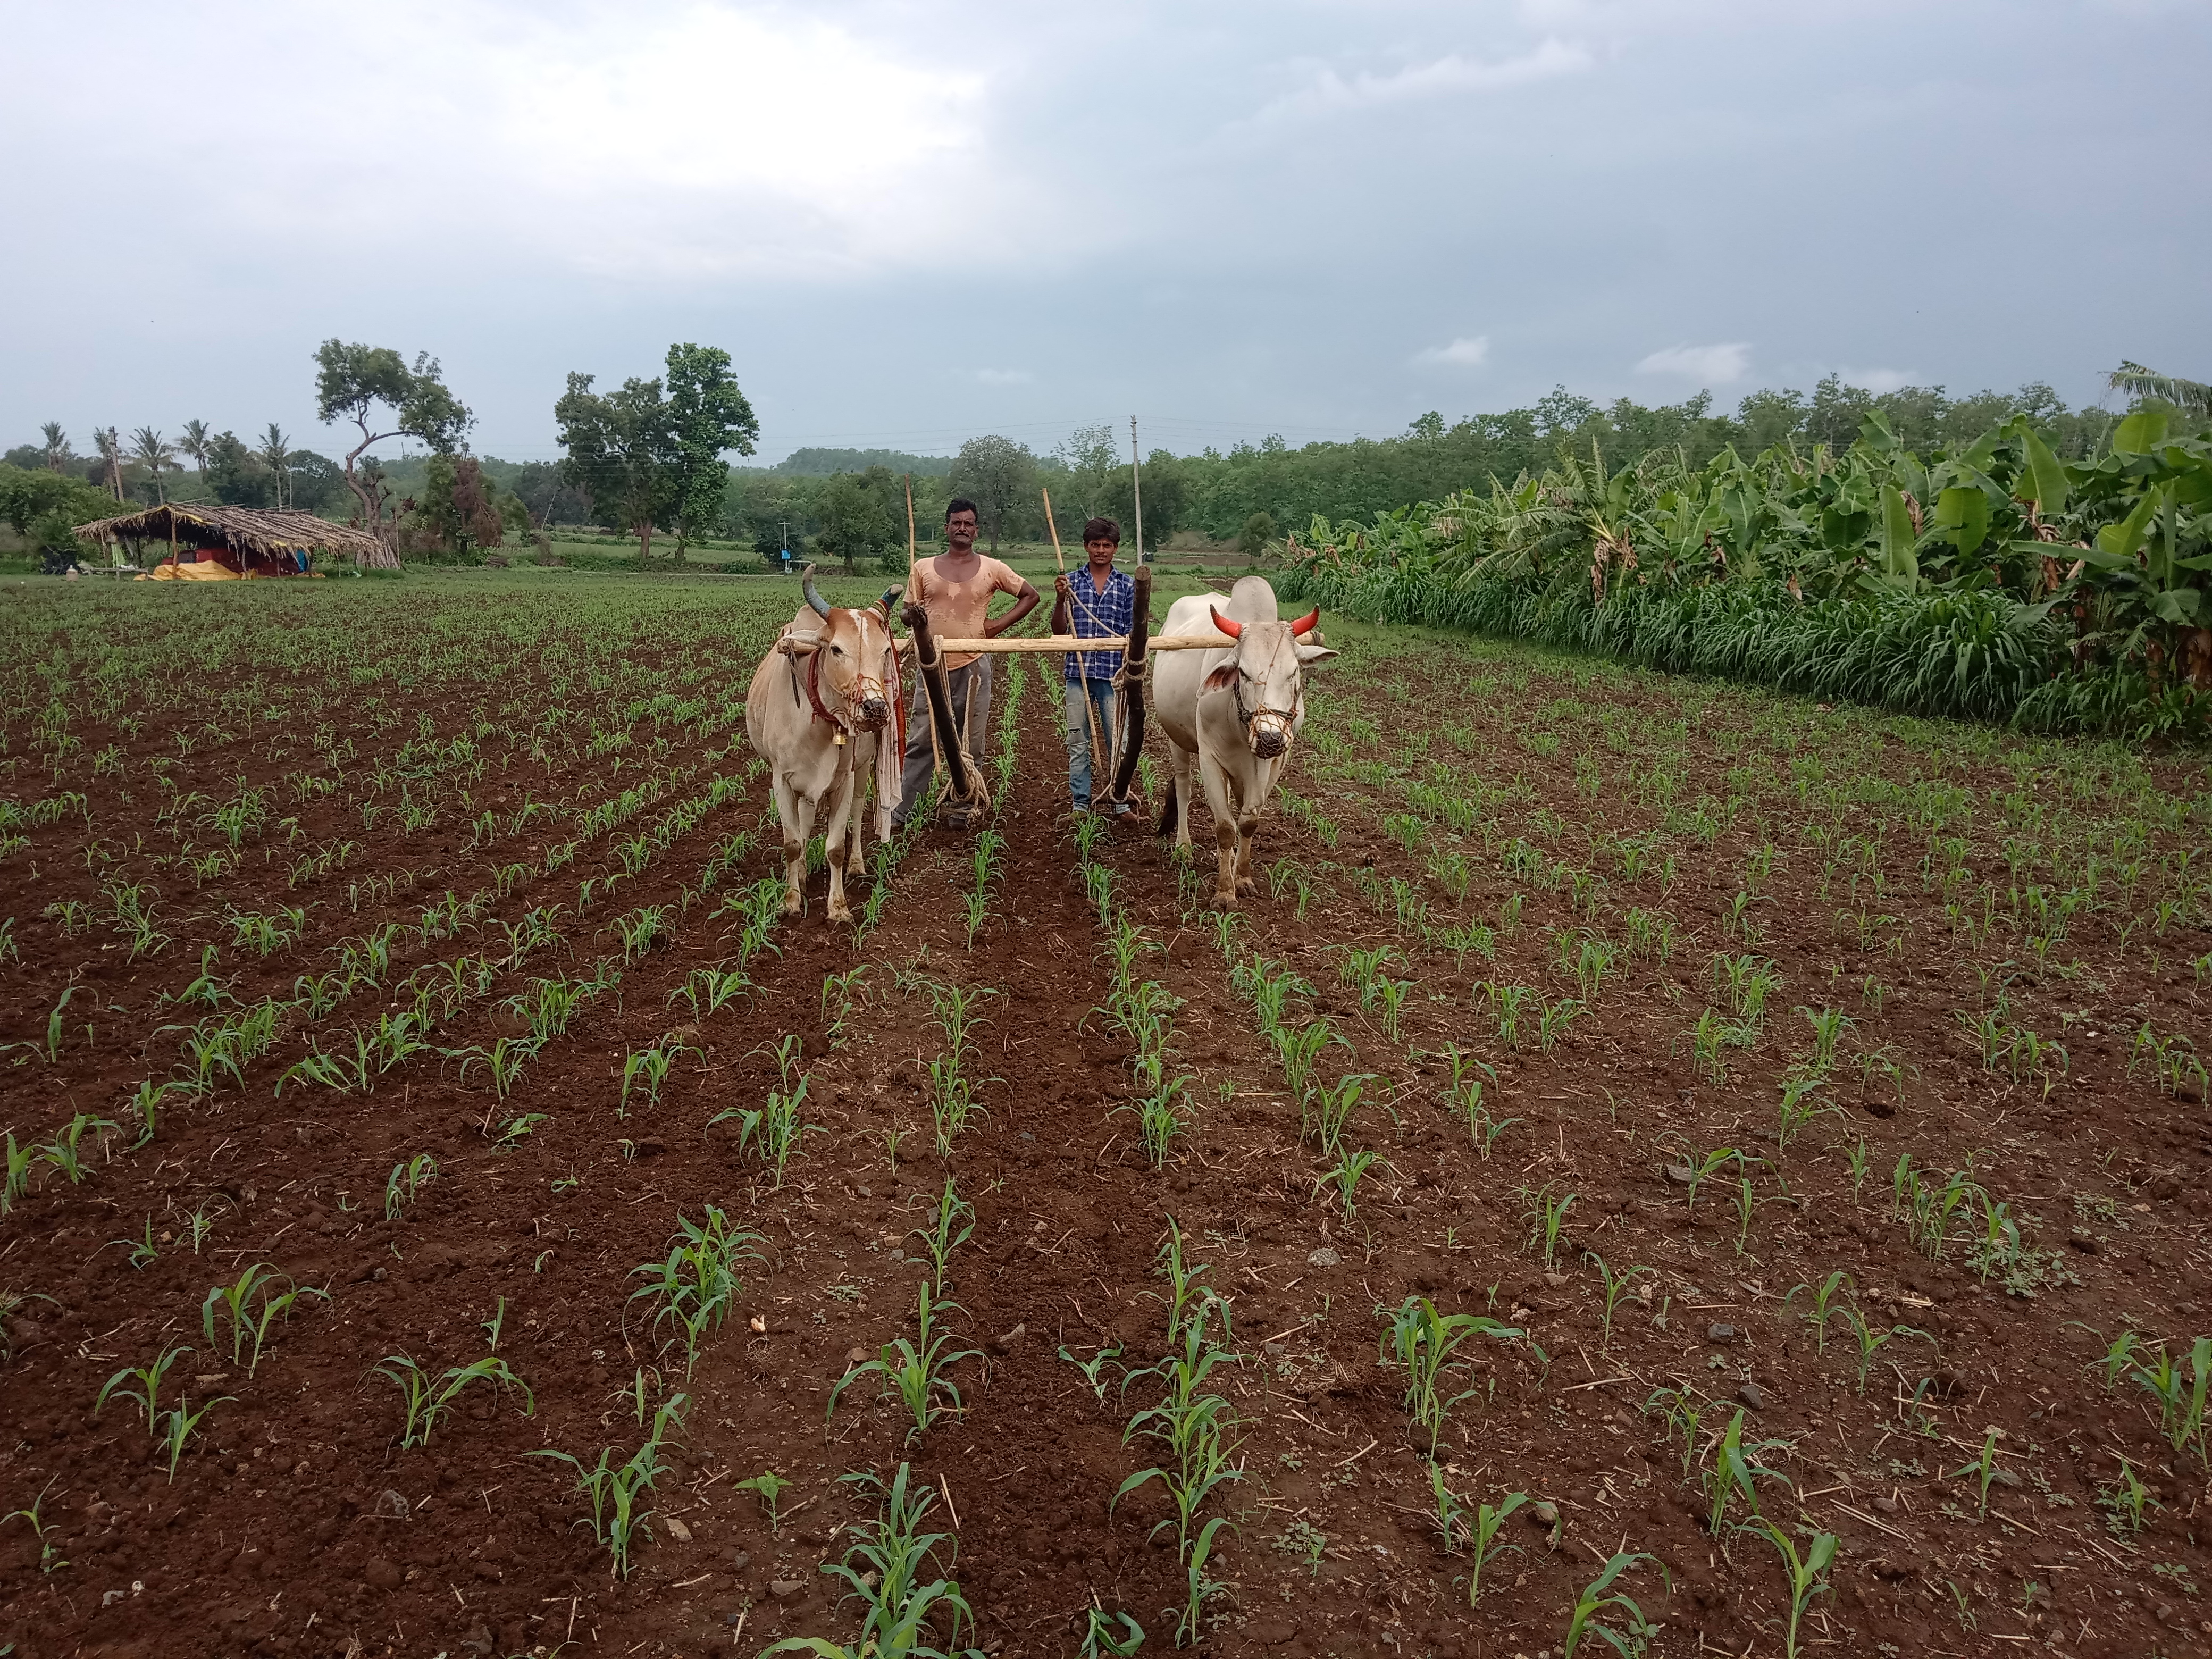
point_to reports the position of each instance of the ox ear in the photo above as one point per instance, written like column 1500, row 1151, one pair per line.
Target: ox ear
column 794, row 645
column 1309, row 654
column 1222, row 678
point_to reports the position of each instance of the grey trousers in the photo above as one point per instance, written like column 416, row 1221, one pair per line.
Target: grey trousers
column 971, row 713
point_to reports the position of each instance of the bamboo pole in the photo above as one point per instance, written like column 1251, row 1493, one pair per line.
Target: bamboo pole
column 1083, row 685
column 1004, row 645
column 1137, row 492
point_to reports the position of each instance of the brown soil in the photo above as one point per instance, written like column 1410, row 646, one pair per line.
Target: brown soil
column 297, row 1525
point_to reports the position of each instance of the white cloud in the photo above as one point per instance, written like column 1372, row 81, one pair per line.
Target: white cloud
column 1004, row 376
column 1467, row 352
column 1709, row 365
column 1330, row 93
column 668, row 140
column 1877, row 381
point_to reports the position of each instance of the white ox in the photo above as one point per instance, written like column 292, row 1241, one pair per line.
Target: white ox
column 823, row 711
column 1235, row 711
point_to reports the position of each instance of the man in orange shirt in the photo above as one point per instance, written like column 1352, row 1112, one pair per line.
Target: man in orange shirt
column 955, row 588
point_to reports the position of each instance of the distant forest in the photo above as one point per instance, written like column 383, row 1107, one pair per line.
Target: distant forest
column 850, row 504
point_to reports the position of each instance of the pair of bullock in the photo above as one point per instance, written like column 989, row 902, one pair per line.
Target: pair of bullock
column 824, row 707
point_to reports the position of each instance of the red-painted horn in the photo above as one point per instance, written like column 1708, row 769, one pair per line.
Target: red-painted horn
column 1233, row 629
column 1306, row 623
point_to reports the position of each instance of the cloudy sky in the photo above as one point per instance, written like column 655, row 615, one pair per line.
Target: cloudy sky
column 912, row 222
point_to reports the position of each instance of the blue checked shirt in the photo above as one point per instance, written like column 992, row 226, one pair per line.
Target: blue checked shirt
column 1098, row 615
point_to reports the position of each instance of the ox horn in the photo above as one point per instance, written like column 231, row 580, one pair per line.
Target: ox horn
column 1228, row 625
column 1306, row 623
column 813, row 597
column 884, row 605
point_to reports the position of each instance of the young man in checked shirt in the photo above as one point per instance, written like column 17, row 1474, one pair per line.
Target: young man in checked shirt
column 1098, row 602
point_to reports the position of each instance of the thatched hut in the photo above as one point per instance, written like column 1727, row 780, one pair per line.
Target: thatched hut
column 236, row 541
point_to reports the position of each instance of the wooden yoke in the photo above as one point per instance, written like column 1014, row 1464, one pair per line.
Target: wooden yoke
column 963, row 781
column 1129, row 728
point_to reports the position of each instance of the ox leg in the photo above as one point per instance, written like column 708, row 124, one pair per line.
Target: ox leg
column 798, row 815
column 1248, row 831
column 1220, row 798
column 1179, row 760
column 863, row 808
column 834, row 843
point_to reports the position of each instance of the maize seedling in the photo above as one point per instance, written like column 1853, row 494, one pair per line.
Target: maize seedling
column 1808, row 1573
column 1983, row 1470
column 148, row 1391
column 769, row 1487
column 775, row 1130
column 427, row 1401
column 1426, row 1344
column 696, row 1282
column 618, row 1516
column 886, row 1572
column 404, row 1185
column 915, row 1371
column 1615, row 1288
column 1598, row 1601
column 252, row 1304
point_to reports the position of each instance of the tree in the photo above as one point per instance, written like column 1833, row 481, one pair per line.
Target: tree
column 110, row 444
column 1092, row 463
column 547, row 496
column 56, row 446
column 155, row 453
column 235, row 473
column 710, row 417
column 2190, row 397
column 195, row 442
column 56, row 545
column 311, row 481
column 275, row 454
column 352, row 380
column 1838, row 413
column 473, row 508
column 998, row 475
column 26, row 494
column 622, row 450
column 1166, row 495
column 1259, row 530
column 863, row 516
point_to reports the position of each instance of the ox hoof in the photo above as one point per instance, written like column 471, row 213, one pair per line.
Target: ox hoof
column 1247, row 884
column 839, row 913
column 1225, row 901
column 793, row 904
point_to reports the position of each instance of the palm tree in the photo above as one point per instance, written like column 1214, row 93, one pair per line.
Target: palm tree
column 2190, row 397
column 110, row 445
column 57, row 443
column 276, row 453
column 195, row 443
column 154, row 453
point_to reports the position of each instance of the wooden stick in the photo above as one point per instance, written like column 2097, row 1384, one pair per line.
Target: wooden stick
column 1090, row 714
column 909, row 525
column 965, row 785
column 1085, row 642
column 1129, row 730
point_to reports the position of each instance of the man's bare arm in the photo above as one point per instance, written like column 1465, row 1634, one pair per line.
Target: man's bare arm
column 1024, row 602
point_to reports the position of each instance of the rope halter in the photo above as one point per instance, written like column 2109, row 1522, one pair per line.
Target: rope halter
column 1268, row 730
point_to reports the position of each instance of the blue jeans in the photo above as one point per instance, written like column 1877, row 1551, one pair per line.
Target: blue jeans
column 1100, row 695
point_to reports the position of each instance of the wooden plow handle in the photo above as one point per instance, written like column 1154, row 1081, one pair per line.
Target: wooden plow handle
column 964, row 783
column 1129, row 729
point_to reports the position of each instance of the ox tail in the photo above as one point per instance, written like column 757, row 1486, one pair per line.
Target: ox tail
column 1167, row 826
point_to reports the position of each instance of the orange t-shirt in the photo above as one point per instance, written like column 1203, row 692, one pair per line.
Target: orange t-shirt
column 957, row 610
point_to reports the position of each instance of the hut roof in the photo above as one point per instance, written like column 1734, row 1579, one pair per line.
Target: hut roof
column 242, row 529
